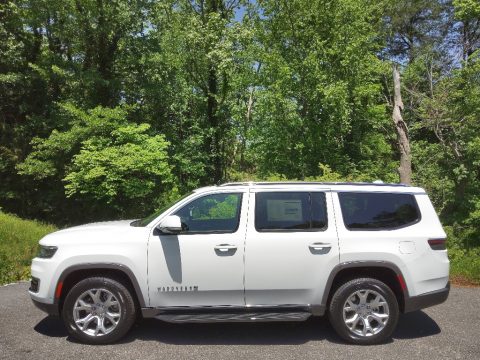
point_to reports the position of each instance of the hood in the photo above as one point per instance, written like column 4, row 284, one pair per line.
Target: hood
column 92, row 233
column 102, row 226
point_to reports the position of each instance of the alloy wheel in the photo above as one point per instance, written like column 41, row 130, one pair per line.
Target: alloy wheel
column 365, row 313
column 97, row 312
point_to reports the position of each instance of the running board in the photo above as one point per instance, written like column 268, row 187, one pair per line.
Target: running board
column 235, row 317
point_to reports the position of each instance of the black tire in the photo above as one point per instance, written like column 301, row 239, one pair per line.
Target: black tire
column 127, row 309
column 339, row 300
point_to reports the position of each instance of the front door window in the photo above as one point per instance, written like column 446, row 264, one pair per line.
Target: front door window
column 216, row 213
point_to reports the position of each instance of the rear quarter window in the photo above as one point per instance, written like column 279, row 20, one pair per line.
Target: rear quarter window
column 378, row 211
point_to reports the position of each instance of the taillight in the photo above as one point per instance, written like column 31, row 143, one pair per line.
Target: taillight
column 438, row 244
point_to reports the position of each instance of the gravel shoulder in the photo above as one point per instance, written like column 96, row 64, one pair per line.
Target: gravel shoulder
column 446, row 331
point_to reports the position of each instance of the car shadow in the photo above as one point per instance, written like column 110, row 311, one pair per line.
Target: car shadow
column 410, row 326
column 51, row 326
column 416, row 325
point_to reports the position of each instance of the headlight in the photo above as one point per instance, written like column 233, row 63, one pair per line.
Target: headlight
column 46, row 252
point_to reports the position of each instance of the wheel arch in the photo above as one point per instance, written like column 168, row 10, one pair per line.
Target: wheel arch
column 71, row 275
column 387, row 272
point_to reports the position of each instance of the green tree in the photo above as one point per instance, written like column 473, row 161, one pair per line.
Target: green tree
column 110, row 108
column 191, row 83
column 320, row 98
column 105, row 160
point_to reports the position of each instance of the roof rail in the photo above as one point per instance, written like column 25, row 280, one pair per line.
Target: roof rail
column 245, row 183
column 261, row 183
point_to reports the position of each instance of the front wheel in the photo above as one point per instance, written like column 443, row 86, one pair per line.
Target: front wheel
column 364, row 311
column 98, row 310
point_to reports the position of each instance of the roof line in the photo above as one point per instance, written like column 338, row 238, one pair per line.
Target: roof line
column 266, row 183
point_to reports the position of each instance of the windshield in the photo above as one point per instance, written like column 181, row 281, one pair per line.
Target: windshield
column 147, row 220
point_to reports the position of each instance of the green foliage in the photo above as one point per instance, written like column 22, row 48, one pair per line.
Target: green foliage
column 467, row 9
column 430, row 175
column 105, row 158
column 128, row 165
column 112, row 108
column 465, row 264
column 449, row 167
column 321, row 100
column 18, row 245
column 217, row 207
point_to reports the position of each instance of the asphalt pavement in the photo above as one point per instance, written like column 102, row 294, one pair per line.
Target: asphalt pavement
column 447, row 331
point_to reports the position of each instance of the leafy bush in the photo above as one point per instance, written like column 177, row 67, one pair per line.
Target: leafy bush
column 465, row 264
column 105, row 160
column 18, row 245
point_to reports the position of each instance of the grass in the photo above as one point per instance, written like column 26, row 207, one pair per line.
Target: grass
column 465, row 266
column 18, row 245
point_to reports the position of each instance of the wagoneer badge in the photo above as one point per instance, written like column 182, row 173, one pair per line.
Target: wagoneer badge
column 177, row 288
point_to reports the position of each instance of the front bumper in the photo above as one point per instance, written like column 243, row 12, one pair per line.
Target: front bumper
column 426, row 300
column 39, row 302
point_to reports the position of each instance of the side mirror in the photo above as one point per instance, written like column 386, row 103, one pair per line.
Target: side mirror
column 170, row 225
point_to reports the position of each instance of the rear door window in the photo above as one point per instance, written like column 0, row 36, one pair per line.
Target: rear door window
column 290, row 211
column 378, row 211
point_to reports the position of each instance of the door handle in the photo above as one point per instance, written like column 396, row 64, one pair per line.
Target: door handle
column 320, row 248
column 225, row 247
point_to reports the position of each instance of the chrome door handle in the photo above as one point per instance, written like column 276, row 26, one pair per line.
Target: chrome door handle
column 320, row 248
column 225, row 247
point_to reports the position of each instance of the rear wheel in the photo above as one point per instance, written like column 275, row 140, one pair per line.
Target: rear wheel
column 364, row 311
column 99, row 310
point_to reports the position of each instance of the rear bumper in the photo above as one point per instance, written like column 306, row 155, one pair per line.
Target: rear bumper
column 50, row 309
column 426, row 300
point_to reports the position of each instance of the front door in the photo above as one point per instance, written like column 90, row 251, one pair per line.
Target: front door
column 203, row 265
column 291, row 247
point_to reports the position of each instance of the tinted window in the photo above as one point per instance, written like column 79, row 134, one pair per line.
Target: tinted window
column 377, row 211
column 276, row 211
column 211, row 213
column 147, row 220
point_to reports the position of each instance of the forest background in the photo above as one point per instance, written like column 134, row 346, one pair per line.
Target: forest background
column 112, row 108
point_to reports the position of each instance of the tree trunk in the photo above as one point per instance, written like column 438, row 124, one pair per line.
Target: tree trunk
column 214, row 140
column 405, row 168
column 215, row 120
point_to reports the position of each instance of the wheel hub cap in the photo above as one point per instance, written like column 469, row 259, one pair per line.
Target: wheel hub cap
column 97, row 312
column 365, row 313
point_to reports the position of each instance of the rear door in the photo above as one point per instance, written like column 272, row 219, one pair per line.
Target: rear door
column 291, row 247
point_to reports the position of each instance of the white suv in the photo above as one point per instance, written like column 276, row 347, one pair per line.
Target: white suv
column 360, row 253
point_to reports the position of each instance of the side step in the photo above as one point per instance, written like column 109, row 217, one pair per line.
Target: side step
column 242, row 317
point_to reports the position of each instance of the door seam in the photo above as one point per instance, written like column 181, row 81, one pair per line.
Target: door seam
column 245, row 247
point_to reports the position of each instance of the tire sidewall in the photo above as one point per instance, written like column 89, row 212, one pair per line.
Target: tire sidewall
column 127, row 309
column 341, row 296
